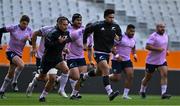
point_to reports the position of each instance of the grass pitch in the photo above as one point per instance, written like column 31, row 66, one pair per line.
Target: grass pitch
column 87, row 99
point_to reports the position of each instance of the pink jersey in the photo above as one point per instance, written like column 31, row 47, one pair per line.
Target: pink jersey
column 44, row 31
column 156, row 40
column 124, row 47
column 76, row 46
column 18, row 38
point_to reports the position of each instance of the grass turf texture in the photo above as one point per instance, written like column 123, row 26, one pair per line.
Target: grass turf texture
column 88, row 99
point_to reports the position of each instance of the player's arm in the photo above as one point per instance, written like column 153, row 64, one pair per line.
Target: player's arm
column 2, row 30
column 33, row 41
column 88, row 31
column 118, row 35
column 90, row 53
column 153, row 48
column 134, row 53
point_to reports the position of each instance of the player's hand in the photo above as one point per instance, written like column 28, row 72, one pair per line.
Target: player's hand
column 27, row 38
column 160, row 49
column 119, row 58
column 62, row 39
column 33, row 52
column 116, row 37
column 66, row 50
column 85, row 47
column 135, row 58
column 167, row 53
column 1, row 47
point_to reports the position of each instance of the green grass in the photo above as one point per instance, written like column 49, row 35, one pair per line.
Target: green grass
column 88, row 99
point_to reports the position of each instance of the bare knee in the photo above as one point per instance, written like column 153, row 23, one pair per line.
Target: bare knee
column 20, row 67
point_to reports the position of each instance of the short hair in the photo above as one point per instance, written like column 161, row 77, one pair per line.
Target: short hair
column 108, row 11
column 89, row 24
column 131, row 26
column 25, row 18
column 62, row 18
column 75, row 16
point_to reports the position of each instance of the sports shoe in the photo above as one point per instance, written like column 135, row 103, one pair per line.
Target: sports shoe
column 74, row 97
column 81, row 80
column 126, row 97
column 113, row 95
column 29, row 90
column 43, row 99
column 165, row 96
column 143, row 95
column 2, row 95
column 63, row 94
column 15, row 87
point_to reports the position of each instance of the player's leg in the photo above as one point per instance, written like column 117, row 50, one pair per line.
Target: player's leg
column 128, row 82
column 74, row 76
column 148, row 75
column 7, row 80
column 33, row 83
column 20, row 66
column 129, row 74
column 49, row 84
column 164, row 81
column 63, row 78
column 103, row 66
column 116, row 71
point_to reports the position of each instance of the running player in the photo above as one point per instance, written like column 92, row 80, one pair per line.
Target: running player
column 19, row 34
column 52, row 60
column 43, row 32
column 121, row 60
column 104, row 33
column 157, row 44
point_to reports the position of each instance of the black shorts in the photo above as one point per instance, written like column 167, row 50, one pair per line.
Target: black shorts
column 76, row 62
column 150, row 68
column 10, row 55
column 100, row 57
column 46, row 64
column 118, row 67
column 38, row 63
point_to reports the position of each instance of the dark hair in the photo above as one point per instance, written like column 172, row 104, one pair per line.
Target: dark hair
column 108, row 11
column 89, row 24
column 25, row 18
column 75, row 16
column 61, row 18
column 131, row 26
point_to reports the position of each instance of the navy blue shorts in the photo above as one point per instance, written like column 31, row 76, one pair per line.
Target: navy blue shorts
column 118, row 67
column 100, row 57
column 10, row 55
column 150, row 68
column 72, row 63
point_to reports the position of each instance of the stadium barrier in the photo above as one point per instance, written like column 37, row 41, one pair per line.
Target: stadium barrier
column 173, row 59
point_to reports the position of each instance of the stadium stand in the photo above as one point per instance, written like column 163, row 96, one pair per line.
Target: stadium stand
column 142, row 13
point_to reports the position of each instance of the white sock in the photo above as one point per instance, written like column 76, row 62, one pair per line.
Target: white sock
column 16, row 75
column 74, row 92
column 34, row 81
column 5, row 84
column 63, row 81
column 85, row 75
column 126, row 91
column 44, row 94
column 143, row 88
column 58, row 78
column 108, row 89
column 73, row 83
column 163, row 89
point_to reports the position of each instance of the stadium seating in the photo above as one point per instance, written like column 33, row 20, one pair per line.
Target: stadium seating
column 143, row 13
